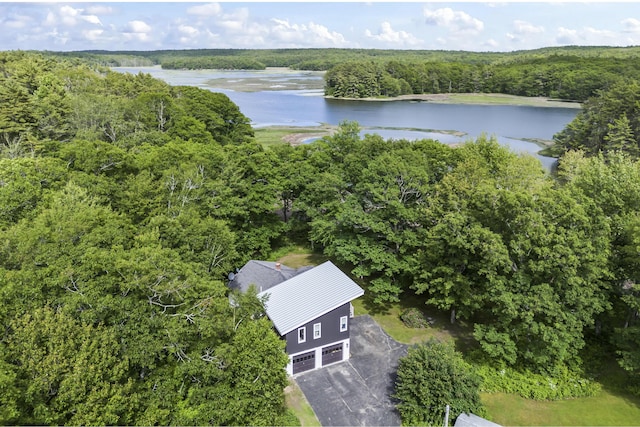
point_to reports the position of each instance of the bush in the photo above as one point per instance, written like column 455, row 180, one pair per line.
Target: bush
column 563, row 385
column 431, row 376
column 414, row 318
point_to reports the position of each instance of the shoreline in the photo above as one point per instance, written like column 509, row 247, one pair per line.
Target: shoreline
column 295, row 136
column 474, row 99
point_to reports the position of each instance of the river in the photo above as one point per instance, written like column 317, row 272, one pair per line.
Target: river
column 280, row 97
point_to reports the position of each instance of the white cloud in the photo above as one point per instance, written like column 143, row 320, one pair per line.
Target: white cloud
column 631, row 25
column 92, row 19
column 454, row 20
column 567, row 36
column 584, row 36
column 310, row 34
column 322, row 33
column 523, row 31
column 58, row 38
column 17, row 22
column 188, row 30
column 491, row 43
column 236, row 21
column 524, row 27
column 595, row 34
column 388, row 35
column 137, row 30
column 99, row 10
column 92, row 35
column 138, row 27
column 210, row 9
column 51, row 19
column 69, row 15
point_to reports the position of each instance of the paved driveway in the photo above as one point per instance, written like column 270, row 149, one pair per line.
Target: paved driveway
column 357, row 392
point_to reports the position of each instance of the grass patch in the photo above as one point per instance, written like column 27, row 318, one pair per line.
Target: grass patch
column 297, row 256
column 282, row 135
column 477, row 98
column 298, row 404
column 501, row 99
column 389, row 319
column 411, row 129
column 605, row 409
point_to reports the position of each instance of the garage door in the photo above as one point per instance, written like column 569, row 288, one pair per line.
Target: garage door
column 304, row 362
column 331, row 354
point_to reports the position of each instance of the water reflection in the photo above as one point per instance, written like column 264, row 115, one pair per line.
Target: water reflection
column 302, row 105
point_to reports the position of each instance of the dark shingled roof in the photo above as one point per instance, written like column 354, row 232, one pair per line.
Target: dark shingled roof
column 263, row 274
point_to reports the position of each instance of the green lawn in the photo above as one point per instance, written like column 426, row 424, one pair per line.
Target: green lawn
column 606, row 409
column 389, row 319
column 297, row 256
column 609, row 408
column 297, row 402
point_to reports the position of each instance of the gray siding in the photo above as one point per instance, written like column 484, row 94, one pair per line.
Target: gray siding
column 330, row 331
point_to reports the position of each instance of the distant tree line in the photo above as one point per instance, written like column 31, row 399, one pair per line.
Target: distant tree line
column 322, row 59
column 564, row 77
column 569, row 73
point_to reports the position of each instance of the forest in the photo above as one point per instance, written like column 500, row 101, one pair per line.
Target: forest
column 125, row 202
column 570, row 73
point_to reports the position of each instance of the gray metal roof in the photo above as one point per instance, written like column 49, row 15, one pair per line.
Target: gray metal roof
column 472, row 420
column 262, row 274
column 309, row 295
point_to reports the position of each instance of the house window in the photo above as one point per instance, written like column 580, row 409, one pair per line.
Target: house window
column 302, row 335
column 343, row 323
column 317, row 330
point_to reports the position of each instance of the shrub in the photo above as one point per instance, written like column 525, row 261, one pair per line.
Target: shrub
column 431, row 376
column 414, row 318
column 564, row 384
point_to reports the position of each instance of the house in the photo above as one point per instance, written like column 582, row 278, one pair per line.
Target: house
column 310, row 308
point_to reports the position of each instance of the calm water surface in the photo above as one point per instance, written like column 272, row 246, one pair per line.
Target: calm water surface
column 391, row 119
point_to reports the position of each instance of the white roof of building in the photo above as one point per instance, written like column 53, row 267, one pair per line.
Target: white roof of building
column 472, row 420
column 308, row 296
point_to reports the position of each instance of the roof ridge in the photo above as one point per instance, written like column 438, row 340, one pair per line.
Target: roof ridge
column 263, row 263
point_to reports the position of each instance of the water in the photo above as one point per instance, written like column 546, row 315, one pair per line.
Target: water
column 267, row 105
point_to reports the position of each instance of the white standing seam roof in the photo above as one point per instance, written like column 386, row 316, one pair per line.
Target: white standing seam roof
column 309, row 295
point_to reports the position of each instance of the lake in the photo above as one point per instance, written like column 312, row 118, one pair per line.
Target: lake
column 280, row 97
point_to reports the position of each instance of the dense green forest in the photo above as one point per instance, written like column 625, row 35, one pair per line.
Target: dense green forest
column 569, row 73
column 124, row 203
column 564, row 77
column 322, row 59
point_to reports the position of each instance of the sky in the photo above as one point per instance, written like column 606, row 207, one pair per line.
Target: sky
column 470, row 26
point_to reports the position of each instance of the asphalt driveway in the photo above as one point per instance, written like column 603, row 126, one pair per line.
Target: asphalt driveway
column 357, row 392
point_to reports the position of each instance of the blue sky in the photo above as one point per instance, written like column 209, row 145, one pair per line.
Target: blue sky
column 474, row 26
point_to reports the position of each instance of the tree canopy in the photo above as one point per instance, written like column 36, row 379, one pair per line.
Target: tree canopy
column 431, row 377
column 122, row 214
column 125, row 203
